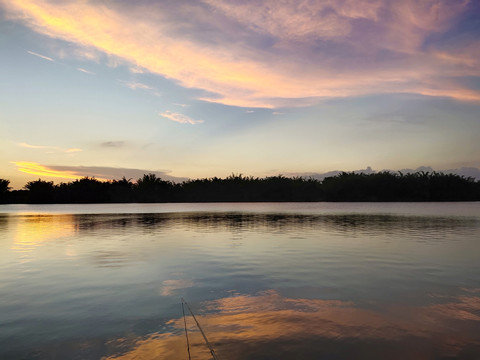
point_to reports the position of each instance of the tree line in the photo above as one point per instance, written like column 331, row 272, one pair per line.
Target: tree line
column 347, row 186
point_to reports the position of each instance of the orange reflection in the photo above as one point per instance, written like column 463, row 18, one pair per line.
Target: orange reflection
column 33, row 231
column 268, row 324
column 170, row 286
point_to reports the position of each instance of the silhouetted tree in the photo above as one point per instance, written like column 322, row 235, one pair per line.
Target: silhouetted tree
column 85, row 190
column 40, row 191
column 150, row 188
column 4, row 190
column 121, row 191
column 382, row 186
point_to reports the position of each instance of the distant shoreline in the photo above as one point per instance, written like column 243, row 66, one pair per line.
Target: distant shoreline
column 344, row 187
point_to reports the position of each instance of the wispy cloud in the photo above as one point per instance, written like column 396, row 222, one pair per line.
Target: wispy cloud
column 275, row 53
column 86, row 71
column 299, row 21
column 180, row 118
column 134, row 85
column 40, row 56
column 49, row 148
column 29, row 146
column 113, row 144
column 87, row 53
column 137, row 70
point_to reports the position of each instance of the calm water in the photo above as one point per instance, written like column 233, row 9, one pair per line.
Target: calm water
column 266, row 281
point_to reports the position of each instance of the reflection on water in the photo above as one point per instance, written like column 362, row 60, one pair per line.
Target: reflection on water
column 32, row 231
column 269, row 326
column 36, row 229
column 304, row 282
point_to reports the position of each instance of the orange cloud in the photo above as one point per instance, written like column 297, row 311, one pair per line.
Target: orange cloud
column 34, row 168
column 289, row 68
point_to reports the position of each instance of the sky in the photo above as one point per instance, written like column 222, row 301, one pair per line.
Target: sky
column 203, row 88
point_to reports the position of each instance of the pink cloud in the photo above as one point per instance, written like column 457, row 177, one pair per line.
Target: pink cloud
column 272, row 53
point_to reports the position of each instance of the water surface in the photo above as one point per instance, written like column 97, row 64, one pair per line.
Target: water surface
column 266, row 281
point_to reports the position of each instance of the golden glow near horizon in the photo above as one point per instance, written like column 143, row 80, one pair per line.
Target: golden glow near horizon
column 33, row 168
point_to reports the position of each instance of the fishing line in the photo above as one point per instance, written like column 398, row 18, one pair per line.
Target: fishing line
column 201, row 330
column 186, row 332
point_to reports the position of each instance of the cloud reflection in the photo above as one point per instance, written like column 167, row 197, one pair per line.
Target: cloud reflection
column 269, row 325
column 170, row 287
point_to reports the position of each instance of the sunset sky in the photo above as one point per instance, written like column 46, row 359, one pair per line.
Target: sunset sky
column 201, row 88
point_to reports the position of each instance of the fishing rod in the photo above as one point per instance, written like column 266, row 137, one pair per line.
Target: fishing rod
column 215, row 357
column 186, row 332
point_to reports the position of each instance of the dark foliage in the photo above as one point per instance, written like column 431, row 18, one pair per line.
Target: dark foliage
column 387, row 186
column 149, row 188
column 382, row 186
column 4, row 190
column 236, row 188
column 40, row 192
column 121, row 191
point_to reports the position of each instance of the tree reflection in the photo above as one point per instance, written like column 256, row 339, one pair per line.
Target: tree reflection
column 204, row 221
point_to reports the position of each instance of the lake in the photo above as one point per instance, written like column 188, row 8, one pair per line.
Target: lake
column 264, row 280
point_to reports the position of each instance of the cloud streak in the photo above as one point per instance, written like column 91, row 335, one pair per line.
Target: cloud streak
column 50, row 148
column 86, row 71
column 275, row 53
column 113, row 144
column 180, row 118
column 134, row 85
column 40, row 56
